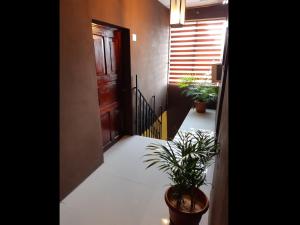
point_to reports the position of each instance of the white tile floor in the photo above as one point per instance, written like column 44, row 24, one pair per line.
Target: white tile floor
column 121, row 191
column 196, row 120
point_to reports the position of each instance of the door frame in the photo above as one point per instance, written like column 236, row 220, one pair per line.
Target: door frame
column 125, row 63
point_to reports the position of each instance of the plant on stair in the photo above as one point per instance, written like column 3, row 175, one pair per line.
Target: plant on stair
column 185, row 160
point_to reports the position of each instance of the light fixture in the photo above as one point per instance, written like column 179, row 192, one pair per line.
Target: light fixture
column 225, row 2
column 165, row 221
column 177, row 13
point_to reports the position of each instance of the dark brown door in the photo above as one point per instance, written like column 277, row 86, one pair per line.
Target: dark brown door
column 107, row 56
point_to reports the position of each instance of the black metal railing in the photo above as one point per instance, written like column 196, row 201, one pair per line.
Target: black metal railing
column 147, row 123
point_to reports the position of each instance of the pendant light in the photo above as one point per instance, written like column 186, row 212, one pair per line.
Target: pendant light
column 177, row 13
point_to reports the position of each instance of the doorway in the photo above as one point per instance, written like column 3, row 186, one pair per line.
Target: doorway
column 113, row 81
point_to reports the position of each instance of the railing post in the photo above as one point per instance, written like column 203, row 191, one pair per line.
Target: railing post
column 152, row 124
column 144, row 118
column 145, row 114
column 136, row 104
column 140, row 115
column 161, row 121
column 149, row 119
column 154, row 103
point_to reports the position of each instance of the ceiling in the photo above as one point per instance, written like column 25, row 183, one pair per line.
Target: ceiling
column 194, row 3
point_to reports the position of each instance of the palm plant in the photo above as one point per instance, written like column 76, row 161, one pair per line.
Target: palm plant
column 202, row 92
column 185, row 160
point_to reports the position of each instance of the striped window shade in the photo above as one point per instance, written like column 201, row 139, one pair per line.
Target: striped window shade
column 195, row 47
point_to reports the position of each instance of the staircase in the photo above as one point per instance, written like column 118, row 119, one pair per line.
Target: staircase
column 147, row 123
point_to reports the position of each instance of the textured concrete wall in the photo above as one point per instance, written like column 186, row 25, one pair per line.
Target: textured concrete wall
column 149, row 20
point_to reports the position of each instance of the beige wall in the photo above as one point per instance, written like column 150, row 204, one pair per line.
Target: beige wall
column 80, row 142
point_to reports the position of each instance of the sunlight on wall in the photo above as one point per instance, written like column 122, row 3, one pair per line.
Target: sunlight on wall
column 164, row 134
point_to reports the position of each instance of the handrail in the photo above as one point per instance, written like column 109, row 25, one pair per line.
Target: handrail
column 223, row 83
column 147, row 123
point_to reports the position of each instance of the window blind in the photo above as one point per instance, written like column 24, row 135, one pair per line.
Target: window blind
column 195, row 47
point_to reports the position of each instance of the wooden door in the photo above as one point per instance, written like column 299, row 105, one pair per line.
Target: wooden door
column 107, row 56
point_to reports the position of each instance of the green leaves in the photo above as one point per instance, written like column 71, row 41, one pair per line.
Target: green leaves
column 203, row 92
column 186, row 81
column 185, row 159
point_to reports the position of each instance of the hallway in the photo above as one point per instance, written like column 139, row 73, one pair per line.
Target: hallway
column 122, row 191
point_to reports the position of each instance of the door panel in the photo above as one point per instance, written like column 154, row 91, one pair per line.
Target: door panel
column 107, row 53
column 112, row 44
column 107, row 93
column 99, row 55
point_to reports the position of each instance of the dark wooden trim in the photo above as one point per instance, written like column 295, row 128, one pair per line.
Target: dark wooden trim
column 223, row 84
column 108, row 24
column 112, row 143
column 126, row 90
column 212, row 11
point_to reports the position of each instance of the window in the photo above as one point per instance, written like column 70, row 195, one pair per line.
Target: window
column 195, row 47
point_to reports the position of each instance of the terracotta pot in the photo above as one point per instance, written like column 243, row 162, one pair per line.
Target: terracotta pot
column 200, row 106
column 186, row 217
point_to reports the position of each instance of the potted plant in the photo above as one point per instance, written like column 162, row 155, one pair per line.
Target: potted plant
column 201, row 93
column 185, row 160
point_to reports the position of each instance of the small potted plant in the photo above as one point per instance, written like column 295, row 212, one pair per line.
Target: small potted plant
column 185, row 160
column 201, row 93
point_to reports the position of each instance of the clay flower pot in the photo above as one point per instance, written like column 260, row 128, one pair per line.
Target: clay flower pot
column 183, row 216
column 200, row 106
